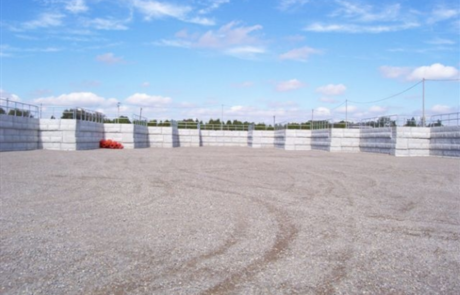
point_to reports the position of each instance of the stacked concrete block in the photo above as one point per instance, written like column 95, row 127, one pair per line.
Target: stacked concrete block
column 376, row 140
column 261, row 139
column 280, row 139
column 189, row 137
column 344, row 140
column 445, row 141
column 321, row 139
column 69, row 135
column 293, row 140
column 18, row 133
column 410, row 142
column 163, row 137
column 130, row 135
column 223, row 138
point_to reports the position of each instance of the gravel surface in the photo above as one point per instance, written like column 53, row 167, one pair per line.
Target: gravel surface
column 228, row 221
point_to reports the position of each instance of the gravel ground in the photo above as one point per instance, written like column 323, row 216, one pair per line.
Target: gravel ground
column 228, row 221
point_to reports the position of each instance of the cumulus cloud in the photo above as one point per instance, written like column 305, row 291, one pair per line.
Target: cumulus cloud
column 143, row 99
column 80, row 99
column 109, row 58
column 299, row 54
column 435, row 71
column 289, row 85
column 7, row 95
column 332, row 89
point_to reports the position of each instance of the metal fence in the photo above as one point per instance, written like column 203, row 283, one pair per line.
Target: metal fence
column 74, row 113
column 392, row 121
column 315, row 125
column 139, row 120
column 452, row 119
column 19, row 109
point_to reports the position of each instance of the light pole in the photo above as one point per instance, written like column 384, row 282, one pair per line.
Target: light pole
column 118, row 116
column 423, row 103
column 311, row 124
column 346, row 113
column 222, row 118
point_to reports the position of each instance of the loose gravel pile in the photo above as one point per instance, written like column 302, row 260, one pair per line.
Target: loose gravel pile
column 228, row 221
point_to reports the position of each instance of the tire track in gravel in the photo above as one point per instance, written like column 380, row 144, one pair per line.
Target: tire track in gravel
column 285, row 236
column 188, row 266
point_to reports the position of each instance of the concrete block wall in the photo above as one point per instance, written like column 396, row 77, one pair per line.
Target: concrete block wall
column 189, row 137
column 163, row 137
column 18, row 133
column 445, row 141
column 410, row 142
column 130, row 135
column 261, row 138
column 321, row 139
column 344, row 140
column 293, row 140
column 376, row 140
column 223, row 138
column 69, row 135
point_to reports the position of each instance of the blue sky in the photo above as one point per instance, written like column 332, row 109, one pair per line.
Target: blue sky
column 185, row 59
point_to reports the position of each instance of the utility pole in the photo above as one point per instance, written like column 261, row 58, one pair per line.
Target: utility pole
column 423, row 102
column 311, row 124
column 140, row 115
column 118, row 117
column 346, row 113
column 222, row 118
column 274, row 121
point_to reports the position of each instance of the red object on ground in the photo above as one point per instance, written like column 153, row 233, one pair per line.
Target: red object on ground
column 110, row 144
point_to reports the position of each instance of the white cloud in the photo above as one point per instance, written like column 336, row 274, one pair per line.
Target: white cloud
column 75, row 99
column 394, row 72
column 442, row 109
column 289, row 85
column 108, row 24
column 435, row 71
column 442, row 14
column 231, row 39
column 322, row 112
column 228, row 35
column 440, row 41
column 299, row 54
column 245, row 51
column 143, row 99
column 76, row 6
column 332, row 89
column 290, row 4
column 352, row 28
column 215, row 4
column 45, row 20
column 246, row 84
column 109, row 58
column 156, row 9
column 377, row 109
column 10, row 96
column 365, row 13
column 328, row 100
